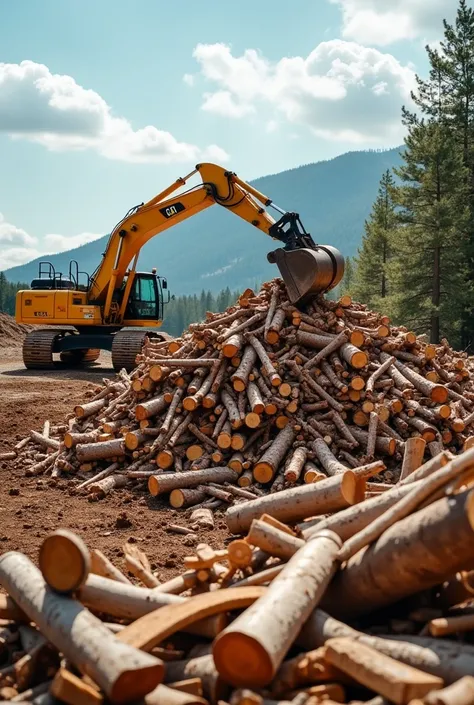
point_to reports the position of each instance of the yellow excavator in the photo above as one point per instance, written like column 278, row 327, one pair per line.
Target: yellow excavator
column 105, row 310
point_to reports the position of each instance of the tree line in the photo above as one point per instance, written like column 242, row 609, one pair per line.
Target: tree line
column 183, row 310
column 416, row 260
column 7, row 294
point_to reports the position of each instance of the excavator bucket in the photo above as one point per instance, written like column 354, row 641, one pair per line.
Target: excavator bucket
column 307, row 272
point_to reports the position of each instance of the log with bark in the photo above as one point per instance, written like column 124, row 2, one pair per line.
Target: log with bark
column 267, row 380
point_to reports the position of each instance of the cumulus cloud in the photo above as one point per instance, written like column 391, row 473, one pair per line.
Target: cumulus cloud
column 55, row 111
column 18, row 247
column 223, row 103
column 341, row 90
column 381, row 23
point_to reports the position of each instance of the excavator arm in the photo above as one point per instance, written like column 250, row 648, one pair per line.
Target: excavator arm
column 306, row 268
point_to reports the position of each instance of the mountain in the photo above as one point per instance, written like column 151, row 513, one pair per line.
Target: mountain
column 215, row 249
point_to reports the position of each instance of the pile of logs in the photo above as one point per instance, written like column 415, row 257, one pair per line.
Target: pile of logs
column 359, row 606
column 261, row 398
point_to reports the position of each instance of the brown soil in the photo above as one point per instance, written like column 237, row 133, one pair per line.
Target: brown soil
column 32, row 507
column 11, row 332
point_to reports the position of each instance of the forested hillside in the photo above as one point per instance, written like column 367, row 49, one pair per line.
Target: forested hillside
column 416, row 260
column 215, row 249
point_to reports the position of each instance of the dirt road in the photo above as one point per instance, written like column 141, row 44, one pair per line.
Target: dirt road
column 32, row 507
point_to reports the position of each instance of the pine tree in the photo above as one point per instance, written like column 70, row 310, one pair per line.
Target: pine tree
column 347, row 284
column 427, row 272
column 370, row 277
column 448, row 97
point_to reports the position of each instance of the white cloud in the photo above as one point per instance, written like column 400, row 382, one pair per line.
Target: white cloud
column 381, row 22
column 341, row 91
column 223, row 103
column 188, row 78
column 55, row 111
column 271, row 126
column 18, row 247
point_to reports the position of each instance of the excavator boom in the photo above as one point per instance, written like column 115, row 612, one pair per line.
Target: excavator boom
column 306, row 268
column 118, row 307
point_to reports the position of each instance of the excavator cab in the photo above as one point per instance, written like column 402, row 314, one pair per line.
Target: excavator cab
column 147, row 299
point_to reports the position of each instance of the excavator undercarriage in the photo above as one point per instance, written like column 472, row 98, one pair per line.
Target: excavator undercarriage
column 46, row 349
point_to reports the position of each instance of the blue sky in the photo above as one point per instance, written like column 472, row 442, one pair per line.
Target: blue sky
column 103, row 103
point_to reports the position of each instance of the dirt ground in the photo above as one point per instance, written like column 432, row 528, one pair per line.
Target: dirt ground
column 32, row 507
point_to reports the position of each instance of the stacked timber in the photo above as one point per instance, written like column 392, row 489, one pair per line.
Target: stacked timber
column 369, row 604
column 261, row 398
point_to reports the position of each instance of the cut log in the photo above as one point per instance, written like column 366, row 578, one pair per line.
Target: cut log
column 396, row 681
column 159, row 484
column 214, row 687
column 183, row 498
column 413, row 456
column 232, row 409
column 295, row 466
column 436, row 392
column 331, row 347
column 64, row 561
column 250, row 651
column 273, row 335
column 100, row 565
column 353, row 356
column 459, row 693
column 329, row 461
column 131, row 602
column 103, row 487
column 68, row 688
column 304, row 669
column 265, row 469
column 138, row 565
column 297, row 503
column 272, row 540
column 124, row 673
column 153, row 407
column 273, row 376
column 82, row 411
column 255, row 399
column 152, row 629
column 445, row 659
column 400, row 564
column 378, row 373
column 408, row 504
column 96, row 451
column 241, row 376
column 349, row 521
column 162, row 695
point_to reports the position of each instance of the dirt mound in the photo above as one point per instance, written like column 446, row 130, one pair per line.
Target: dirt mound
column 11, row 332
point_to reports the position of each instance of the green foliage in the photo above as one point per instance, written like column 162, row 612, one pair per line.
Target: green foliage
column 416, row 260
column 183, row 310
column 370, row 282
column 428, row 278
column 7, row 294
column 447, row 97
column 347, row 284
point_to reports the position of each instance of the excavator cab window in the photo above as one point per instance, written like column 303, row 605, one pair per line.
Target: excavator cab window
column 144, row 301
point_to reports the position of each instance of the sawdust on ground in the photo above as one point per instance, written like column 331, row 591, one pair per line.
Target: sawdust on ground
column 31, row 508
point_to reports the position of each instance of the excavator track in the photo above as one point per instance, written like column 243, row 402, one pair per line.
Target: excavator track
column 126, row 346
column 38, row 349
